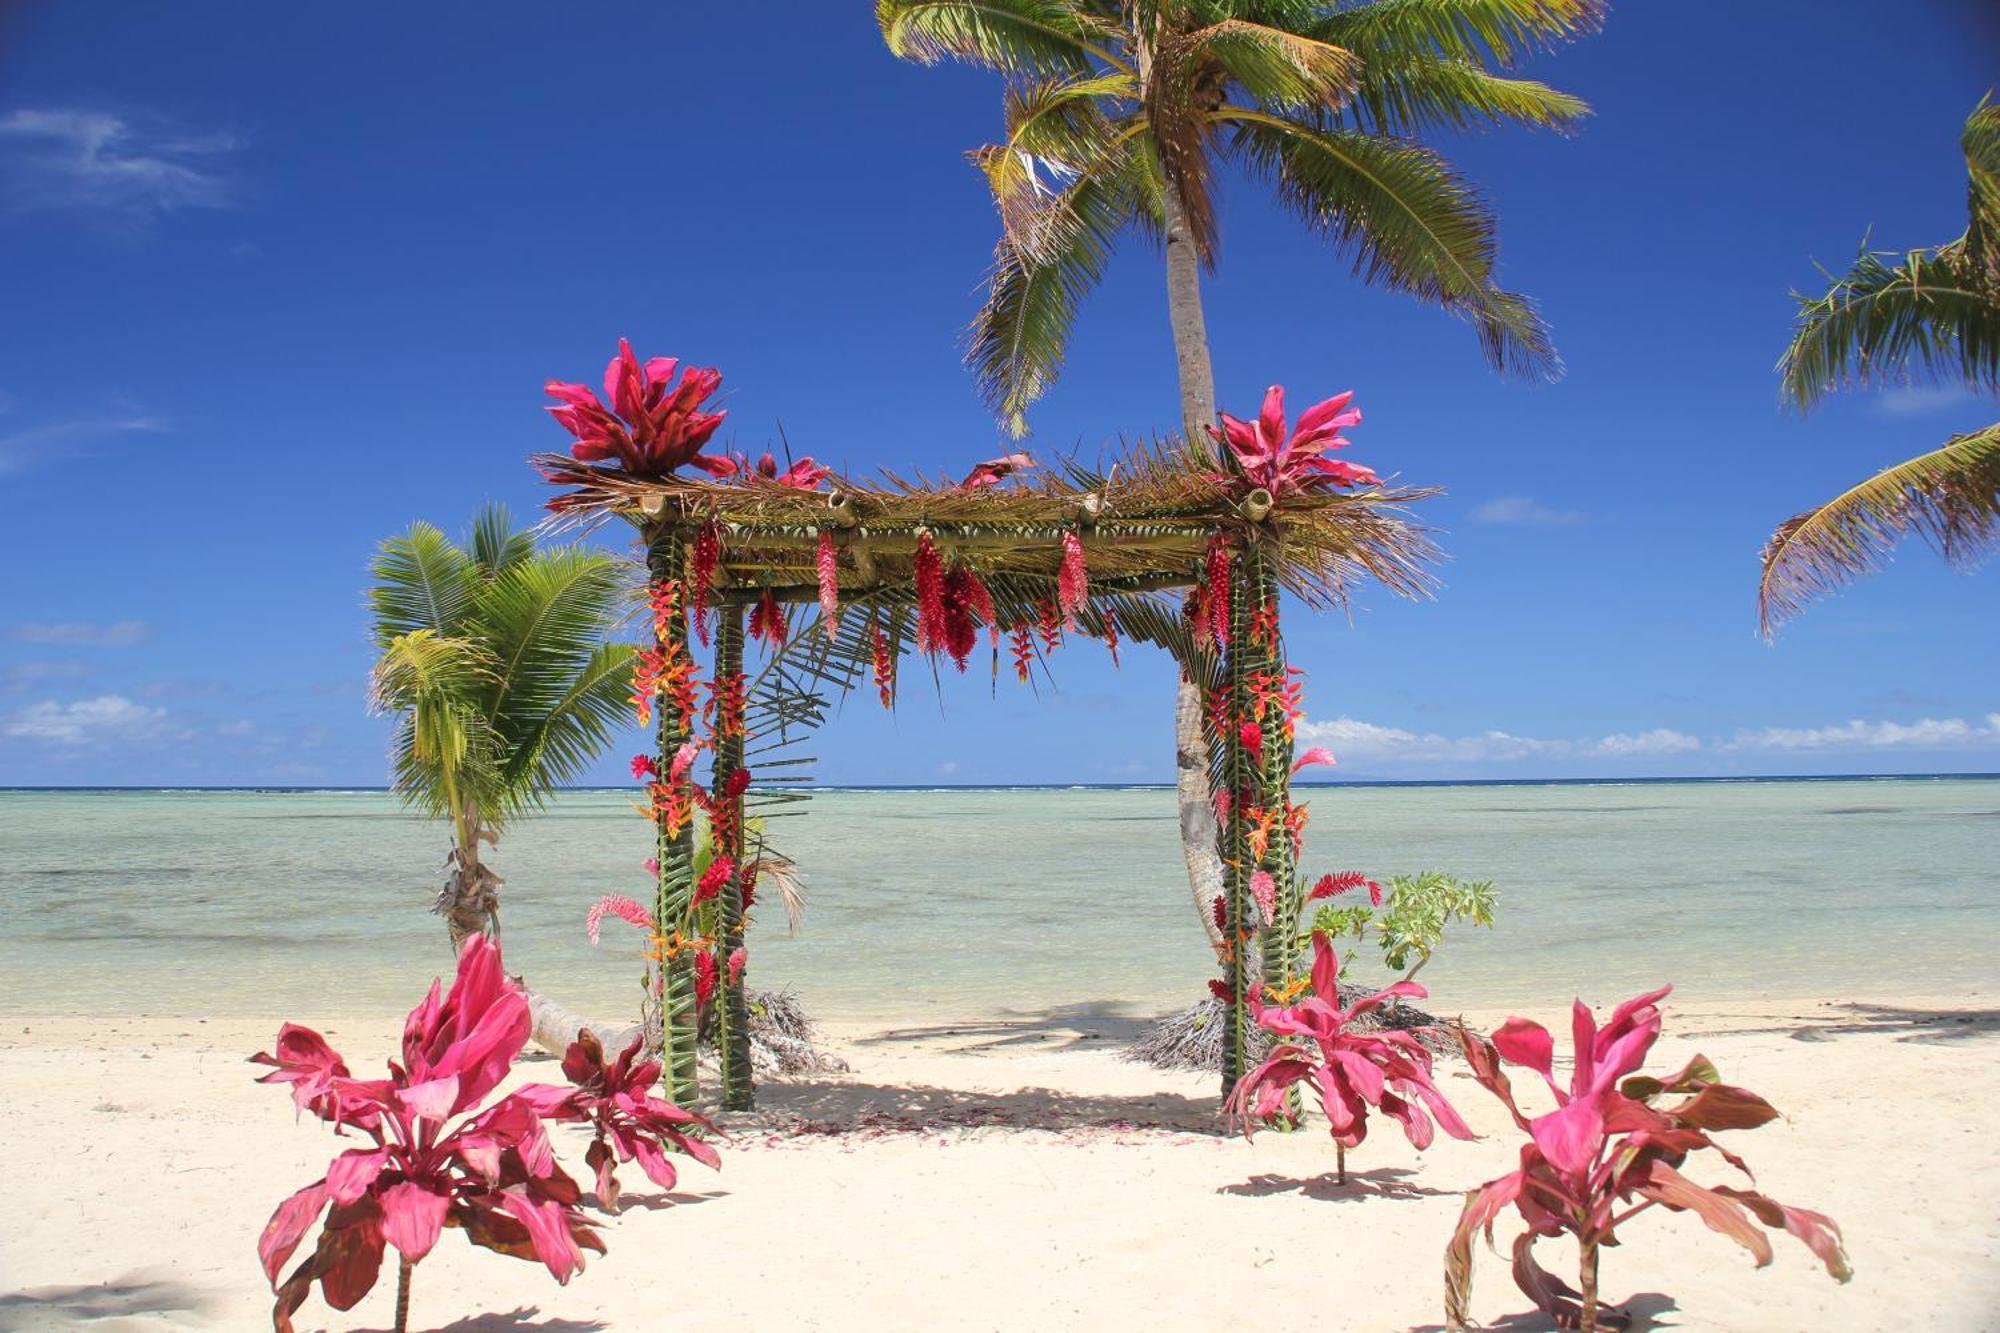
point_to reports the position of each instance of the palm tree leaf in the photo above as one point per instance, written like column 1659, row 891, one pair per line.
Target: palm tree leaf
column 496, row 546
column 1411, row 93
column 1490, row 32
column 1279, row 69
column 1931, row 315
column 1041, row 273
column 1411, row 222
column 1015, row 36
column 1950, row 497
column 1981, row 142
column 421, row 581
column 545, row 619
column 559, row 748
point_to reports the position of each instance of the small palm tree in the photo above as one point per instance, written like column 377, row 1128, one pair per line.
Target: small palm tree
column 493, row 656
column 1931, row 314
column 1120, row 114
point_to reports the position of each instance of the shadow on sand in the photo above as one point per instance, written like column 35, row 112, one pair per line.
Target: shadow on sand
column 1643, row 1310
column 526, row 1316
column 131, row 1296
column 1383, row 1182
column 1099, row 1025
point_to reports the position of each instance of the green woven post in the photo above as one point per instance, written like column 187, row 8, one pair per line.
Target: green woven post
column 1239, row 912
column 1277, row 938
column 666, row 562
column 732, row 1006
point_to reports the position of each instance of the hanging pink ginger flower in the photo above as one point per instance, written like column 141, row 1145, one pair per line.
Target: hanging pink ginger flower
column 929, row 570
column 1073, row 581
column 1265, row 890
column 767, row 621
column 649, row 428
column 707, row 554
column 829, row 583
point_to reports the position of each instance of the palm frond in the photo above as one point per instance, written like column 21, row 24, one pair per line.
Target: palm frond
column 445, row 751
column 496, row 546
column 545, row 619
column 1277, row 68
column 1950, row 497
column 1411, row 222
column 559, row 746
column 1981, row 142
column 1931, row 315
column 1412, row 93
column 1042, row 269
column 422, row 580
column 1014, row 36
column 1490, row 32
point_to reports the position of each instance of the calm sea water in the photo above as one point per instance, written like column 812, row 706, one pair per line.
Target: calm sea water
column 968, row 902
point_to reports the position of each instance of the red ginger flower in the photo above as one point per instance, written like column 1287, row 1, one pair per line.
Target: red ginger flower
column 438, row 1159
column 1073, row 579
column 711, row 881
column 620, row 906
column 707, row 554
column 627, row 1122
column 884, row 665
column 643, row 768
column 704, row 976
column 649, row 428
column 829, row 583
column 929, row 570
column 768, row 622
column 1264, row 456
column 737, row 958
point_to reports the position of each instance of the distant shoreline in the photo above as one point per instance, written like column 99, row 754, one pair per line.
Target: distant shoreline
column 1104, row 786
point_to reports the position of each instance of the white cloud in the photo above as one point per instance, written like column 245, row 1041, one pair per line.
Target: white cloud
column 1520, row 511
column 1918, row 400
column 23, row 675
column 109, row 717
column 81, row 634
column 239, row 727
column 1931, row 733
column 1660, row 740
column 23, row 449
column 1351, row 738
column 104, row 165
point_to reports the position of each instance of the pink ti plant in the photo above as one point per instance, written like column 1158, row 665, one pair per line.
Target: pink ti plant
column 1351, row 1070
column 1262, row 455
column 436, row 1157
column 1609, row 1151
column 651, row 425
column 626, row 1120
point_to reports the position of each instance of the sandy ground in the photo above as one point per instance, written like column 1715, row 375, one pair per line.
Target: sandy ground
column 1011, row 1175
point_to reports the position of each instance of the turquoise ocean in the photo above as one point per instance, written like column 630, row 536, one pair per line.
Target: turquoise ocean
column 949, row 904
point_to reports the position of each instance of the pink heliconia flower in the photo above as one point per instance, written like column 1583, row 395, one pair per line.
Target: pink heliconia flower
column 804, row 475
column 628, row 1123
column 618, row 905
column 1319, row 755
column 1351, row 1070
column 1264, row 456
column 437, row 1158
column 995, row 470
column 650, row 428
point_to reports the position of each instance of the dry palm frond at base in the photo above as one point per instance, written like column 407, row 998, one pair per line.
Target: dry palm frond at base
column 1192, row 1038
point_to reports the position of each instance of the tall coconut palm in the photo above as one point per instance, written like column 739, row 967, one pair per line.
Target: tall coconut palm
column 1121, row 116
column 494, row 659
column 1930, row 314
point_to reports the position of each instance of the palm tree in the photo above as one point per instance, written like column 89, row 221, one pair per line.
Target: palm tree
column 1930, row 314
column 494, row 658
column 1120, row 115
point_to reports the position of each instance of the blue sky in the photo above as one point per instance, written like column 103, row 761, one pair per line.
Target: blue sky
column 276, row 284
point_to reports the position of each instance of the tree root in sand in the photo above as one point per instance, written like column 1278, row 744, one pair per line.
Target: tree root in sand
column 1192, row 1038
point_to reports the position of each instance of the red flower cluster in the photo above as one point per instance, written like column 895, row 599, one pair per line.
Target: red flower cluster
column 804, row 475
column 768, row 622
column 1022, row 641
column 1073, row 580
column 701, row 578
column 884, row 664
column 829, row 582
column 1207, row 607
column 649, row 428
column 929, row 571
column 1343, row 881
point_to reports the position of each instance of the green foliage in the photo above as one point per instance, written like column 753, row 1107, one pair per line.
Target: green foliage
column 1113, row 106
column 1410, row 924
column 493, row 658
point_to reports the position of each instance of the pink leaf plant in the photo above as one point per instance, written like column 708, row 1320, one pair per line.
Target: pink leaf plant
column 627, row 1122
column 1610, row 1150
column 1262, row 456
column 651, row 425
column 437, row 1157
column 1350, row 1069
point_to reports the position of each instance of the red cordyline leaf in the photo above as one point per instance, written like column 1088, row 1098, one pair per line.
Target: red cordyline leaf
column 650, row 427
column 1351, row 1070
column 439, row 1157
column 929, row 571
column 614, row 1097
column 1260, row 453
column 1318, row 755
column 767, row 621
column 1610, row 1141
column 618, row 905
column 701, row 575
column 884, row 664
column 1073, row 580
column 829, row 583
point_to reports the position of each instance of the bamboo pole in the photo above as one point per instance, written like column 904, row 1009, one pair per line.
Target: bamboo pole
column 732, row 1008
column 1238, row 909
column 1277, row 937
column 666, row 560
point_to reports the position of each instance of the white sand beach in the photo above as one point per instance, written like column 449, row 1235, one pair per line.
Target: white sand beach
column 1014, row 1176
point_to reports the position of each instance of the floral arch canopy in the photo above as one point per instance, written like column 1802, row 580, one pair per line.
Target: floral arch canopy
column 1186, row 548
